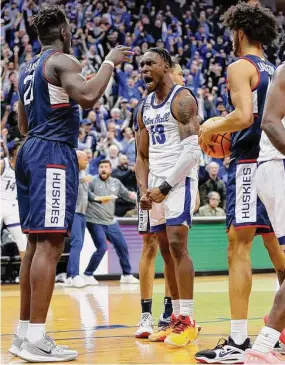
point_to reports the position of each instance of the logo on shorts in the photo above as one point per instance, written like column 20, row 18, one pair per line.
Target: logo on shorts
column 246, row 192
column 55, row 197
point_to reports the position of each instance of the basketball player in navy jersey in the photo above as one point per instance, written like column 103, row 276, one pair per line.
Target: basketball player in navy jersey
column 248, row 80
column 271, row 189
column 50, row 88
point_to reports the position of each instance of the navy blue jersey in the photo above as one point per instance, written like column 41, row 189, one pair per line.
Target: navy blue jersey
column 245, row 143
column 51, row 114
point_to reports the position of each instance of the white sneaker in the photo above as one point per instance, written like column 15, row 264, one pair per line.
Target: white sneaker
column 78, row 281
column 129, row 279
column 145, row 326
column 90, row 280
column 45, row 350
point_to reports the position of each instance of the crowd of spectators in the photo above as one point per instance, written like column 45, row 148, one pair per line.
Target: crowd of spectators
column 193, row 33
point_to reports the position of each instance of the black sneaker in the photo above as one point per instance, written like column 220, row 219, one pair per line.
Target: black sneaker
column 226, row 352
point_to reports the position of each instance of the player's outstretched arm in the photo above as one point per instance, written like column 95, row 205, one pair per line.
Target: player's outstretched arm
column 274, row 111
column 22, row 119
column 87, row 93
column 239, row 77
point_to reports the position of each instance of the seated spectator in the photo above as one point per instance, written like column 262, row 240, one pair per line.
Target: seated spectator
column 125, row 173
column 224, row 169
column 116, row 118
column 129, row 145
column 213, row 184
column 212, row 209
column 113, row 156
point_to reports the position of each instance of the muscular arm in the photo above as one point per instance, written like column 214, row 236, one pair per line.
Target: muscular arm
column 185, row 110
column 68, row 71
column 274, row 111
column 22, row 122
column 240, row 76
column 142, row 162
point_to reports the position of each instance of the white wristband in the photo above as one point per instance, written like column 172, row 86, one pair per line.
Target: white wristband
column 109, row 63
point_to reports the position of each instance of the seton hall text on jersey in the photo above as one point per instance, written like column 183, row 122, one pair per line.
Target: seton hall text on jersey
column 157, row 120
column 265, row 67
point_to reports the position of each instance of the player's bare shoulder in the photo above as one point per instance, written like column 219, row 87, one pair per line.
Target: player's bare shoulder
column 184, row 106
column 61, row 62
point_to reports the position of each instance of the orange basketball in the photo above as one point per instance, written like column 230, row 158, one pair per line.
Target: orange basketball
column 222, row 148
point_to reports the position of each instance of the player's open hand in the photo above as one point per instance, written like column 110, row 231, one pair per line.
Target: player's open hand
column 120, row 54
column 155, row 195
column 145, row 202
column 205, row 136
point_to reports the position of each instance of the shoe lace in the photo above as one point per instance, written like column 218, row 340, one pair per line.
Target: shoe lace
column 52, row 342
column 145, row 320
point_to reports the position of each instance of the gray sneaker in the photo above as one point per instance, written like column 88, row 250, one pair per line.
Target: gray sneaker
column 17, row 342
column 45, row 350
column 16, row 345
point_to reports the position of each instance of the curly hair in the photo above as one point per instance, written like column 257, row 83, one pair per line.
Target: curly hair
column 164, row 54
column 257, row 22
column 49, row 21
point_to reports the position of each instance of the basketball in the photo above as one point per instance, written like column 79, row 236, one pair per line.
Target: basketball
column 222, row 148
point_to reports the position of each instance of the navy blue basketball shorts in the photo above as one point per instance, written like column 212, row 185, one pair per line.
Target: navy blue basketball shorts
column 47, row 177
column 244, row 208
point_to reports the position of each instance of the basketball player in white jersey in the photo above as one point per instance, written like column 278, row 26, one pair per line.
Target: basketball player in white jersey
column 271, row 189
column 150, row 245
column 167, row 152
column 9, row 202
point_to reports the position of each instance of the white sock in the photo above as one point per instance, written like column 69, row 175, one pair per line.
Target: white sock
column 22, row 329
column 187, row 308
column 36, row 331
column 266, row 340
column 239, row 330
column 176, row 307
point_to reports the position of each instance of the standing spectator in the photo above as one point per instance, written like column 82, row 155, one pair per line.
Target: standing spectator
column 127, row 176
column 212, row 209
column 90, row 139
column 213, row 184
column 129, row 145
column 78, row 227
column 113, row 156
column 102, row 224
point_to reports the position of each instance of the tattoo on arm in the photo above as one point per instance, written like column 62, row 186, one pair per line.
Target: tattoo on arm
column 187, row 116
column 281, row 276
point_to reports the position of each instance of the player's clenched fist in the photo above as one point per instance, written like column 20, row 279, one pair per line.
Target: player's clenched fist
column 145, row 202
column 119, row 54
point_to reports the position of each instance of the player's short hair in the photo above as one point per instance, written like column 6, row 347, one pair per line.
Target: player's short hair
column 212, row 193
column 163, row 53
column 49, row 21
column 258, row 23
column 281, row 52
column 104, row 161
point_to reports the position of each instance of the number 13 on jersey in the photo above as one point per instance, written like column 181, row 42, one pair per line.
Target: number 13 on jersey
column 157, row 134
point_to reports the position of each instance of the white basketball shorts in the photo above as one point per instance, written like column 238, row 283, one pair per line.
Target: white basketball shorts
column 271, row 190
column 177, row 208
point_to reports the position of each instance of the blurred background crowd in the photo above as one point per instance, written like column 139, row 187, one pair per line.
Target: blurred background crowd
column 193, row 33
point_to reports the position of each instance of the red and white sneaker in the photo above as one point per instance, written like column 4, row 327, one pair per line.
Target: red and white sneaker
column 256, row 357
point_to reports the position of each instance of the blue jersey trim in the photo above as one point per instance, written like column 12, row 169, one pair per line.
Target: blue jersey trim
column 158, row 228
column 281, row 241
column 164, row 101
column 185, row 216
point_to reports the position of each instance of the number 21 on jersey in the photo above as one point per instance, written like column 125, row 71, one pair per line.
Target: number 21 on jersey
column 29, row 86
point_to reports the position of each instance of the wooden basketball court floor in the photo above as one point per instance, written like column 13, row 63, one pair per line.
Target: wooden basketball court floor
column 99, row 322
